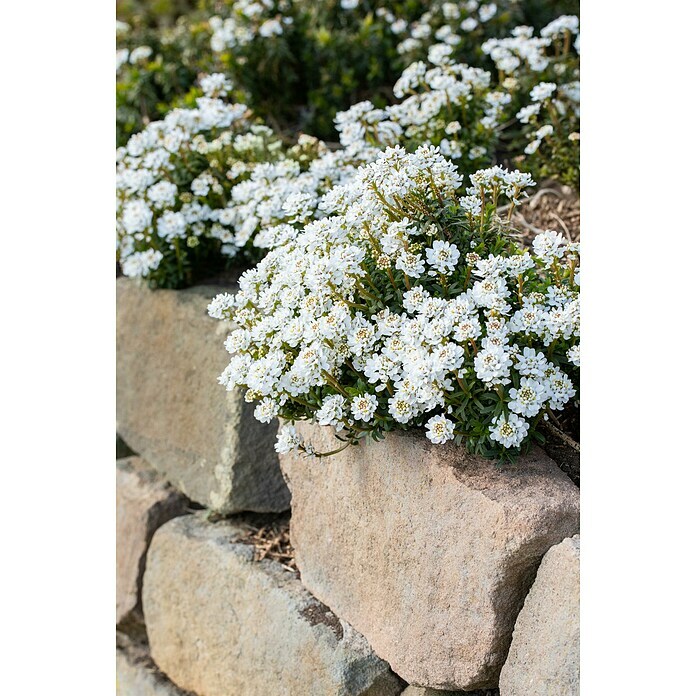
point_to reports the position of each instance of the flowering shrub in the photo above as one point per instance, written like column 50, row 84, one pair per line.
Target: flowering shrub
column 155, row 71
column 408, row 307
column 172, row 179
column 208, row 185
column 297, row 63
column 463, row 26
column 543, row 79
column 446, row 104
column 279, row 198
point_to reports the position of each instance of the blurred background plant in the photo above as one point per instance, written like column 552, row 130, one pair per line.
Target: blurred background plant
column 296, row 63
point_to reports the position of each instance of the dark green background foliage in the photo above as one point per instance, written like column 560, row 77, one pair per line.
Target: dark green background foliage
column 327, row 60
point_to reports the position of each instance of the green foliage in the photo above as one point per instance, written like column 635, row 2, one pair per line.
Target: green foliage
column 325, row 59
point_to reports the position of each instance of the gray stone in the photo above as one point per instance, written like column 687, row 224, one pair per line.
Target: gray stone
column 544, row 657
column 144, row 502
column 424, row 691
column 220, row 623
column 172, row 411
column 426, row 550
column 137, row 675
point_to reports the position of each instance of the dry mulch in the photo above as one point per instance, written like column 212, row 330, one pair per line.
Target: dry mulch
column 552, row 207
column 270, row 539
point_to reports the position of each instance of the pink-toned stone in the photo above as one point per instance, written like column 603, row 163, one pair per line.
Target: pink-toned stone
column 144, row 502
column 172, row 411
column 220, row 623
column 544, row 657
column 426, row 550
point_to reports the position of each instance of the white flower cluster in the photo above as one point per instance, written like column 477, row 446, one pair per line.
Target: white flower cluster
column 275, row 199
column 249, row 19
column 279, row 198
column 446, row 104
column 443, row 24
column 552, row 107
column 354, row 322
column 164, row 184
column 523, row 50
column 138, row 55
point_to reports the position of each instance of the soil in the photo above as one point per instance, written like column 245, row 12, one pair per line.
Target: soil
column 226, row 278
column 563, row 449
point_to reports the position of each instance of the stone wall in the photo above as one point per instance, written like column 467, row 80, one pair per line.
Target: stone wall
column 414, row 569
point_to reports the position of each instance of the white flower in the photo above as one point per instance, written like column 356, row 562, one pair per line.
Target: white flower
column 136, row 216
column 489, row 291
column 471, row 204
column 239, row 340
column 331, row 411
column 271, row 27
column 517, row 265
column 140, row 54
column 141, row 263
column 574, row 355
column 439, row 54
column 200, row 185
column 531, row 363
column 121, row 58
column 526, row 112
column 363, row 407
column 509, row 432
column 542, row 91
column 487, row 12
column 163, row 193
column 288, row 439
column 492, row 365
column 560, row 388
column 439, row 430
column 215, row 85
column 266, row 410
column 543, row 132
column 529, row 399
column 411, row 264
column 450, row 10
column 548, row 246
column 349, row 4
column 171, row 225
column 560, row 25
column 401, row 408
column 220, row 305
column 442, row 256
column 414, row 299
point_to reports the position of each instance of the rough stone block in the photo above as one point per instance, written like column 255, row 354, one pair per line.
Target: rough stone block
column 137, row 675
column 426, row 550
column 172, row 411
column 424, row 691
column 544, row 657
column 144, row 502
column 220, row 623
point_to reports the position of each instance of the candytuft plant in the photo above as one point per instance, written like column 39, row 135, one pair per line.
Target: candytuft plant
column 408, row 307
